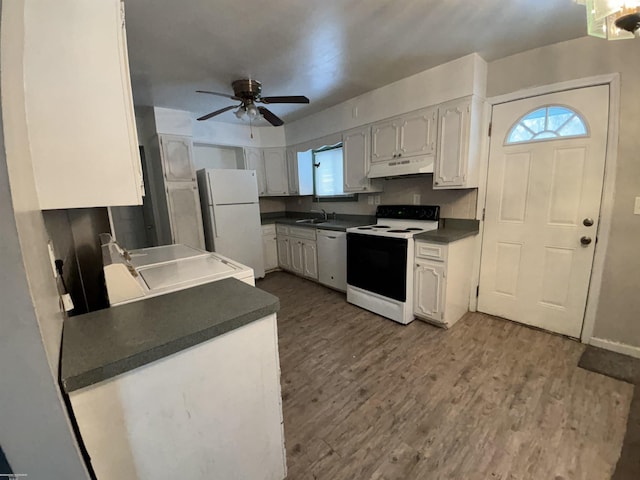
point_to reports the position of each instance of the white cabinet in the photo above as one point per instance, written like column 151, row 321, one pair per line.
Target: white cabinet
column 77, row 94
column 460, row 129
column 270, row 165
column 297, row 250
column 275, row 171
column 310, row 259
column 300, row 172
column 442, row 280
column 185, row 215
column 173, row 194
column 269, row 247
column 177, row 158
column 356, row 151
column 405, row 136
column 253, row 160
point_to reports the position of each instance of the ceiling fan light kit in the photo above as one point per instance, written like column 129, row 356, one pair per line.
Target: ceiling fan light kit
column 613, row 19
column 249, row 92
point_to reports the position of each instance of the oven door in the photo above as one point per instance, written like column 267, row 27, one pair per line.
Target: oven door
column 378, row 265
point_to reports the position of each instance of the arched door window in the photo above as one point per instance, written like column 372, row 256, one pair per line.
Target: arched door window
column 547, row 123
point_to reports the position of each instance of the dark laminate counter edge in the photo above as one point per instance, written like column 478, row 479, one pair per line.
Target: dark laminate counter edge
column 445, row 235
column 100, row 345
column 336, row 225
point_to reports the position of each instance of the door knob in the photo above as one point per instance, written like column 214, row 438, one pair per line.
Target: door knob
column 585, row 240
column 587, row 222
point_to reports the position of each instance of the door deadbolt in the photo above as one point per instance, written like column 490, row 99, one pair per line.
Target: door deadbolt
column 585, row 240
column 587, row 222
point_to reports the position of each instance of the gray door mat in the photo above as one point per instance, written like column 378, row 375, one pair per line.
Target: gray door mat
column 627, row 369
column 611, row 364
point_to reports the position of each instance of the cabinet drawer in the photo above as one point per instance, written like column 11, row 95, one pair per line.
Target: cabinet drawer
column 303, row 232
column 282, row 229
column 269, row 229
column 432, row 251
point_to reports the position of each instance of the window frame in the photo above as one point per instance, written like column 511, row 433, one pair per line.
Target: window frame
column 347, row 197
column 518, row 122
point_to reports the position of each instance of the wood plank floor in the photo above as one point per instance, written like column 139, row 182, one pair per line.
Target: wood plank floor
column 367, row 398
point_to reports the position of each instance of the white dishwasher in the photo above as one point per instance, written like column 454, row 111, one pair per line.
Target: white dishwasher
column 332, row 259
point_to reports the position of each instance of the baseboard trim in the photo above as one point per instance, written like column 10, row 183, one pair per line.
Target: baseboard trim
column 617, row 347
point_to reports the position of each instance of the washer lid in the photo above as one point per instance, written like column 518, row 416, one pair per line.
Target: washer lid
column 190, row 270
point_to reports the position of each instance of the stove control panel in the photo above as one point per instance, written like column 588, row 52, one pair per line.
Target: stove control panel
column 409, row 212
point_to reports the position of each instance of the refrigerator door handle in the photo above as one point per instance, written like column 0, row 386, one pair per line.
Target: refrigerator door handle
column 213, row 222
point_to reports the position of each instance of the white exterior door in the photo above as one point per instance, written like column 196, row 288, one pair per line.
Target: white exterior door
column 546, row 168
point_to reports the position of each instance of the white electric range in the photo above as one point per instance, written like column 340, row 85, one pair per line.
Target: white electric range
column 380, row 259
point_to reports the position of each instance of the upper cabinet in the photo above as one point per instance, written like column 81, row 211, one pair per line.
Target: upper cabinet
column 405, row 136
column 300, row 172
column 459, row 142
column 79, row 105
column 270, row 165
column 177, row 157
column 356, row 153
column 275, row 171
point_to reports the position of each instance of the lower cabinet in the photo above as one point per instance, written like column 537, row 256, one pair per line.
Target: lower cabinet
column 297, row 250
column 270, row 247
column 442, row 280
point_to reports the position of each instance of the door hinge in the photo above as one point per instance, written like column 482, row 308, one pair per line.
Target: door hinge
column 483, row 214
column 490, row 127
column 477, row 291
column 122, row 14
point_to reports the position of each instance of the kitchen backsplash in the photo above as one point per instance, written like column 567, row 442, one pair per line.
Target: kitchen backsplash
column 273, row 204
column 397, row 191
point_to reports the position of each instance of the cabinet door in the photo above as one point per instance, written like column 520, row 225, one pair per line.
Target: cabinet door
column 384, row 144
column 275, row 171
column 297, row 256
column 453, row 144
column 356, row 158
column 428, row 295
column 417, row 133
column 77, row 92
column 270, row 251
column 177, row 155
column 310, row 257
column 253, row 160
column 292, row 171
column 284, row 252
column 185, row 215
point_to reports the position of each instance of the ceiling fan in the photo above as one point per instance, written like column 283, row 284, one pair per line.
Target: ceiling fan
column 248, row 92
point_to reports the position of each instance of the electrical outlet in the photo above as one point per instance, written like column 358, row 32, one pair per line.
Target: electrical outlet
column 416, row 199
column 636, row 208
column 370, row 199
column 354, row 112
column 377, row 200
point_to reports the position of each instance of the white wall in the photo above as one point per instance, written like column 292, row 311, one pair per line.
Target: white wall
column 455, row 79
column 618, row 316
column 34, row 428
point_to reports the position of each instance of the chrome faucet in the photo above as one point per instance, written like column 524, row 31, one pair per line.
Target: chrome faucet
column 325, row 217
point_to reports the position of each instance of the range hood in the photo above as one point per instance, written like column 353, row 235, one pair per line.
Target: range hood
column 402, row 166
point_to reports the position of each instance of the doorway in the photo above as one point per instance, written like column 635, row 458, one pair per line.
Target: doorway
column 544, row 189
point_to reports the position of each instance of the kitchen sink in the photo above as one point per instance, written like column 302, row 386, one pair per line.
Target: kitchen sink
column 314, row 221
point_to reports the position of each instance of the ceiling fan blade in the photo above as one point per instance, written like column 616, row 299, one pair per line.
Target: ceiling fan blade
column 270, row 117
column 217, row 112
column 226, row 95
column 286, row 99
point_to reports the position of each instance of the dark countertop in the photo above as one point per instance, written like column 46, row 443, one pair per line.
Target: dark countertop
column 450, row 230
column 102, row 344
column 337, row 225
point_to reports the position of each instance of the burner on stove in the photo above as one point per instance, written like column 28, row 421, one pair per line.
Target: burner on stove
column 398, row 231
column 364, row 228
column 382, row 226
column 415, row 229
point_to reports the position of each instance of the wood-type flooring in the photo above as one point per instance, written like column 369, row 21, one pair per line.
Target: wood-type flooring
column 367, row 398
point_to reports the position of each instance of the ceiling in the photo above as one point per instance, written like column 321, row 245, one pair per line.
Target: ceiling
column 330, row 50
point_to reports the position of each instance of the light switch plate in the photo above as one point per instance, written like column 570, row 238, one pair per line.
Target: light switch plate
column 416, row 199
column 636, row 208
column 370, row 200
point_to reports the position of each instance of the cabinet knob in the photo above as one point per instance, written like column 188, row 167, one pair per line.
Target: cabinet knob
column 399, row 155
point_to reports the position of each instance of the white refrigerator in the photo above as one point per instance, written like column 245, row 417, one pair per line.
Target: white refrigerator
column 231, row 215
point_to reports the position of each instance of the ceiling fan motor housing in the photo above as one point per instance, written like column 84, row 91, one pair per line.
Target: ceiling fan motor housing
column 247, row 88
